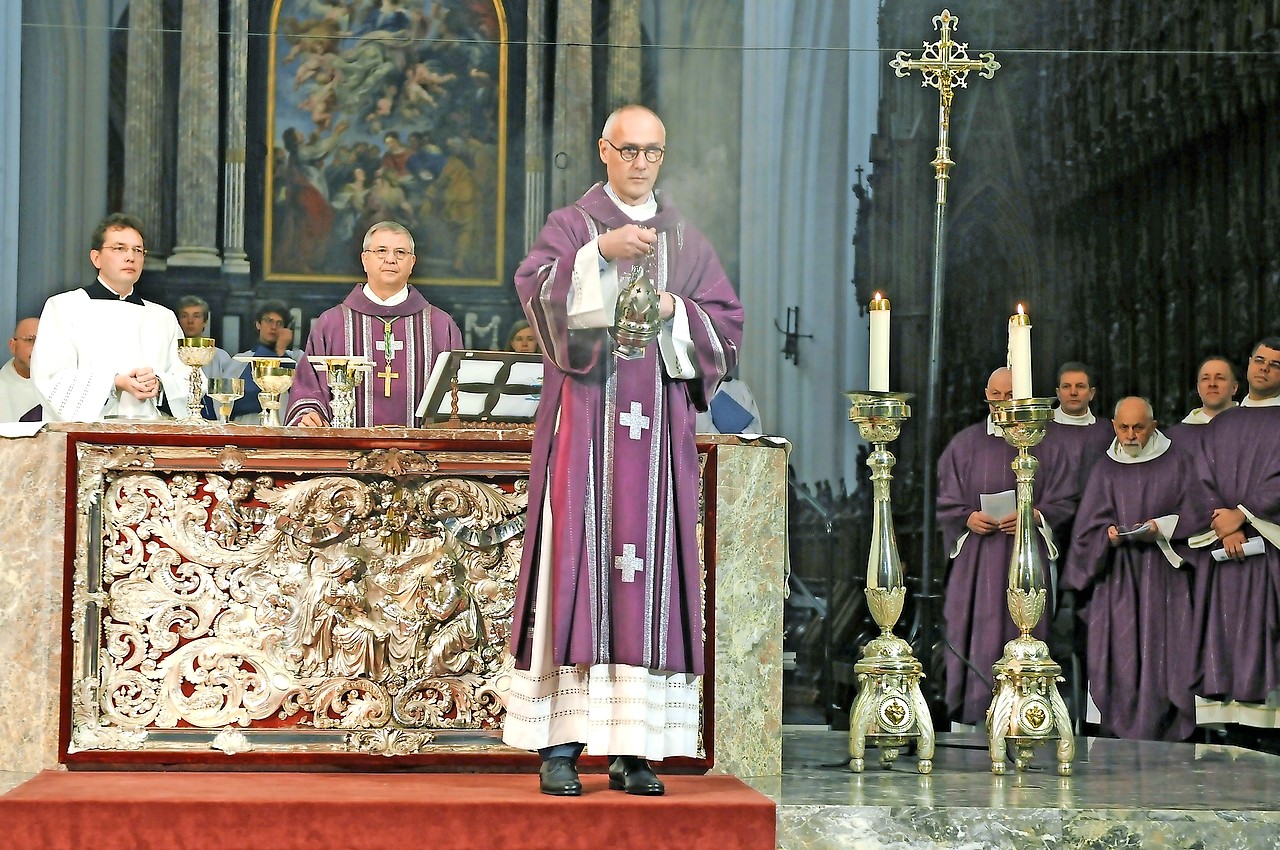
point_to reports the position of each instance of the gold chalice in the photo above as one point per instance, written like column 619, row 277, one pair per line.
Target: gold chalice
column 225, row 391
column 195, row 351
column 272, row 380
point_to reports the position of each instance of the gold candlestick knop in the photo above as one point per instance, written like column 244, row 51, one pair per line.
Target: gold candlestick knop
column 1026, row 708
column 890, row 710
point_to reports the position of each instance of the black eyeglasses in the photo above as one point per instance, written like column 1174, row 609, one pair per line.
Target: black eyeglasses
column 653, row 153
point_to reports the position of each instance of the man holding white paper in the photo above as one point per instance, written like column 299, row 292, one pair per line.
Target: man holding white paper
column 1130, row 553
column 974, row 470
column 1239, row 464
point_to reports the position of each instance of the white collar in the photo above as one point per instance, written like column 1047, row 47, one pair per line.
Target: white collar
column 642, row 211
column 994, row 430
column 398, row 298
column 1156, row 446
column 1063, row 418
column 1199, row 417
column 1249, row 401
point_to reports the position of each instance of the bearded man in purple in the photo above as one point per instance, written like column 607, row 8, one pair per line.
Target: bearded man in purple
column 608, row 622
column 1139, row 614
column 386, row 321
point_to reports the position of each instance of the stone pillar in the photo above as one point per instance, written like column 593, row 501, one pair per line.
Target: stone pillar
column 624, row 53
column 234, row 259
column 143, row 117
column 535, row 139
column 197, row 197
column 572, row 150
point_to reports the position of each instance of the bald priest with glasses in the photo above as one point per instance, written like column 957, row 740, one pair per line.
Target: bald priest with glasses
column 386, row 321
column 102, row 351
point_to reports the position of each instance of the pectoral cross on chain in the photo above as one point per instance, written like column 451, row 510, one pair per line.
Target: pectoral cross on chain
column 628, row 563
column 386, row 376
column 388, row 345
column 635, row 420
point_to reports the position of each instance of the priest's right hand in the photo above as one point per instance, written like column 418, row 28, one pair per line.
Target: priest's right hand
column 980, row 523
column 629, row 242
column 1234, row 544
column 312, row 420
column 141, row 383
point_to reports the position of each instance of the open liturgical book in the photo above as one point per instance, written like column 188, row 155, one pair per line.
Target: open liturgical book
column 493, row 386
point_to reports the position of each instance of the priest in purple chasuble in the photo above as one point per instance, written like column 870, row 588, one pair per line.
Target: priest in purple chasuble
column 607, row 630
column 386, row 321
column 1216, row 384
column 1082, row 436
column 1238, row 598
column 1139, row 611
column 977, row 625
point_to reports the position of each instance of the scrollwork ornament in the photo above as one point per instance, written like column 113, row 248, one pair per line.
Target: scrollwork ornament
column 389, row 742
column 231, row 741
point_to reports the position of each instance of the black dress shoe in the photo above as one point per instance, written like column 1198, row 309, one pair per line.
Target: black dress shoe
column 633, row 775
column 559, row 777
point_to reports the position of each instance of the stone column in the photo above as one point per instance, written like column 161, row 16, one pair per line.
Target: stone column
column 624, row 53
column 197, row 196
column 143, row 111
column 572, row 151
column 234, row 259
column 535, row 139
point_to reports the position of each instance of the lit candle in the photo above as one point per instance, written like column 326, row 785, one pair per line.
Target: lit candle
column 878, row 380
column 1020, row 353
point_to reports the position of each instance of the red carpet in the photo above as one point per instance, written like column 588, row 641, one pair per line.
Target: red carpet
column 228, row 811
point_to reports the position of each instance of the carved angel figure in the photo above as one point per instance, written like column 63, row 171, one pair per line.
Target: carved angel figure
column 338, row 636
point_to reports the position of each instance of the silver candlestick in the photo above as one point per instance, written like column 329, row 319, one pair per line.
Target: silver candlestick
column 1026, row 708
column 890, row 709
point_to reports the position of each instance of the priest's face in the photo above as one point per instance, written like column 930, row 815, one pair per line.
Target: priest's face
column 635, row 133
column 999, row 387
column 1074, row 393
column 1264, row 373
column 192, row 320
column 1134, row 425
column 388, row 272
column 1216, row 385
column 119, row 258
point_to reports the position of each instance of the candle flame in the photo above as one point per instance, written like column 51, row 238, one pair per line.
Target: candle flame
column 877, row 297
column 1021, row 312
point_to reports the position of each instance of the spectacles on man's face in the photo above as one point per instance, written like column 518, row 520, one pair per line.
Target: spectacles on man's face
column 1259, row 360
column 29, row 340
column 271, row 321
column 121, row 250
column 653, row 153
column 398, row 254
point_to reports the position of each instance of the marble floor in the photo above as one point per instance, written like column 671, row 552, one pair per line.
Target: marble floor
column 1121, row 794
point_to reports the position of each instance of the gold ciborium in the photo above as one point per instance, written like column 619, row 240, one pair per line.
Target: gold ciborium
column 345, row 374
column 225, row 391
column 890, row 709
column 636, row 317
column 195, row 351
column 1026, row 708
column 273, row 381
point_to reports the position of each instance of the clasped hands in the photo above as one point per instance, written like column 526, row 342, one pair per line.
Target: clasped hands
column 1228, row 524
column 632, row 242
column 142, row 383
column 984, row 524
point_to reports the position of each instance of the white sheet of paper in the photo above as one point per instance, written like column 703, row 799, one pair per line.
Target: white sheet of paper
column 1252, row 546
column 998, row 505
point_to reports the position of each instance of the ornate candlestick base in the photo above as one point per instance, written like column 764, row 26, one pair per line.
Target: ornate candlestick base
column 890, row 710
column 345, row 374
column 195, row 351
column 1026, row 708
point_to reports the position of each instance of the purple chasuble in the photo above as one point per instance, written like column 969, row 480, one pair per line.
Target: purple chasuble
column 975, row 613
column 358, row 326
column 1083, row 445
column 614, row 449
column 1139, row 614
column 1239, row 602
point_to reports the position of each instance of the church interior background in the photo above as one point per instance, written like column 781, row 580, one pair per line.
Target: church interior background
column 1115, row 176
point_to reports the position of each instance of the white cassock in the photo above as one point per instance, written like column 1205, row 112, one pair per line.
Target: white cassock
column 17, row 394
column 614, row 709
column 88, row 336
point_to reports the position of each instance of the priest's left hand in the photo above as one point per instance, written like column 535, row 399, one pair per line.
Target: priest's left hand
column 1226, row 521
column 1009, row 524
column 666, row 305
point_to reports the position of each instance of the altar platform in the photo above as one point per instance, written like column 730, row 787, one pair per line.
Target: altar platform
column 1122, row 794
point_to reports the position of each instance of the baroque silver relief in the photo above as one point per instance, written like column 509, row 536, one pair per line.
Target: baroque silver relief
column 362, row 611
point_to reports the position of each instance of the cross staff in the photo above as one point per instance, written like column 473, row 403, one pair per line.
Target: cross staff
column 944, row 65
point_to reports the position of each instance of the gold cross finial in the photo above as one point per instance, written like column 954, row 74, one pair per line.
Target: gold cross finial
column 386, row 376
column 945, row 65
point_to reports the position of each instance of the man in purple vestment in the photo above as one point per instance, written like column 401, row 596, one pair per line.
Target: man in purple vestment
column 1216, row 384
column 1263, row 375
column 1083, row 437
column 608, row 624
column 1130, row 552
column 386, row 321
column 976, row 463
column 1238, row 599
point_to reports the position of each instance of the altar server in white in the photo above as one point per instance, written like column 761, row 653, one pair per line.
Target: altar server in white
column 19, row 398
column 104, row 352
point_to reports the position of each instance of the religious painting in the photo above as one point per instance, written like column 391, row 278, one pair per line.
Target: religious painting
column 386, row 109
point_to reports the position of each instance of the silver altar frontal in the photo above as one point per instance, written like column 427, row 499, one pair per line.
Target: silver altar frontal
column 1026, row 708
column 247, row 596
column 890, row 709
